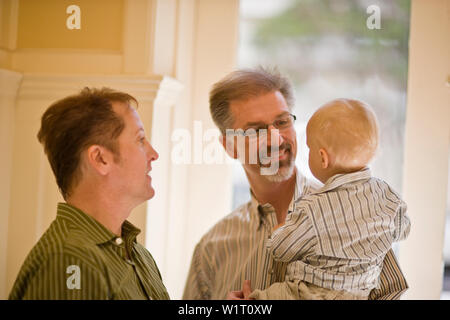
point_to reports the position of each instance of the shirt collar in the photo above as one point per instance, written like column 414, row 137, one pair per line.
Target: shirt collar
column 94, row 229
column 343, row 178
column 266, row 209
column 129, row 231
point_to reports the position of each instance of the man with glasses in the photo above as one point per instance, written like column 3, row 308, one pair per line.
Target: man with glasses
column 259, row 144
column 258, row 104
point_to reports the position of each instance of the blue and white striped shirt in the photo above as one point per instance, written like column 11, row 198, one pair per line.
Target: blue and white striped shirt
column 337, row 237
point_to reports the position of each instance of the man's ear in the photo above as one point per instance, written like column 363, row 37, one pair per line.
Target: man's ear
column 100, row 159
column 325, row 162
column 229, row 145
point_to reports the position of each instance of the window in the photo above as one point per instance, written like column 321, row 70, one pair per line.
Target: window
column 328, row 51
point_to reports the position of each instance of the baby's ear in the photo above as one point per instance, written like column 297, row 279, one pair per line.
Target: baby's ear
column 325, row 162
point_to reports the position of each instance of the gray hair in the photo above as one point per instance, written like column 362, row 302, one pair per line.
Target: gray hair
column 244, row 84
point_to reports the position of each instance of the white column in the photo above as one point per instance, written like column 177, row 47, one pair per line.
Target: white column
column 164, row 36
column 176, row 260
column 427, row 140
column 215, row 52
column 195, row 41
column 9, row 85
column 157, row 235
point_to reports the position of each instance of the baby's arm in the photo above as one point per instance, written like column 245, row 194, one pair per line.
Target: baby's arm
column 402, row 223
column 291, row 240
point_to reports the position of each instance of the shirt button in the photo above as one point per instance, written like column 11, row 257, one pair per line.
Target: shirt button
column 119, row 241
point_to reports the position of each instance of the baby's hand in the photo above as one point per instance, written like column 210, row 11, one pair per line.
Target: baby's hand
column 243, row 294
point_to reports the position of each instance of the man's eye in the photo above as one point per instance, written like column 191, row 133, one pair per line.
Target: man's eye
column 281, row 123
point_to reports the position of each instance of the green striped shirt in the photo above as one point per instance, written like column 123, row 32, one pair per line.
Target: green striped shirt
column 79, row 258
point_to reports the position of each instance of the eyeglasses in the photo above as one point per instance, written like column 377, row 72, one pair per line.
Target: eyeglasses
column 282, row 123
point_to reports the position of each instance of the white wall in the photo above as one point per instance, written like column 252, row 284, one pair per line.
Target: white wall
column 427, row 141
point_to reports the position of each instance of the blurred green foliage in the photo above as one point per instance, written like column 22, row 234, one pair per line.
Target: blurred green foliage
column 305, row 22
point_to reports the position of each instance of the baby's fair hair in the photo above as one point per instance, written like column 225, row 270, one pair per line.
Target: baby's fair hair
column 348, row 130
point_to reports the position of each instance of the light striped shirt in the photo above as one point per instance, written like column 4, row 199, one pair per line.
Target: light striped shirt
column 337, row 237
column 79, row 258
column 235, row 250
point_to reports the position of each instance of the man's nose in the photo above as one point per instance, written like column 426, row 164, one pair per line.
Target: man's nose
column 152, row 155
column 274, row 136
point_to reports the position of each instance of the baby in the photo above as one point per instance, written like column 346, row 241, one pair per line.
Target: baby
column 336, row 238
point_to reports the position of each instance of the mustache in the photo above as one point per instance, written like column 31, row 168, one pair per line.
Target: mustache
column 266, row 156
column 285, row 146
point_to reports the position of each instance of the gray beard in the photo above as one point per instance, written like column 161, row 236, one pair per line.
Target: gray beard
column 282, row 173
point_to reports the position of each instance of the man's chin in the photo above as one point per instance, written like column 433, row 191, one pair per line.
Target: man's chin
column 283, row 173
column 151, row 194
